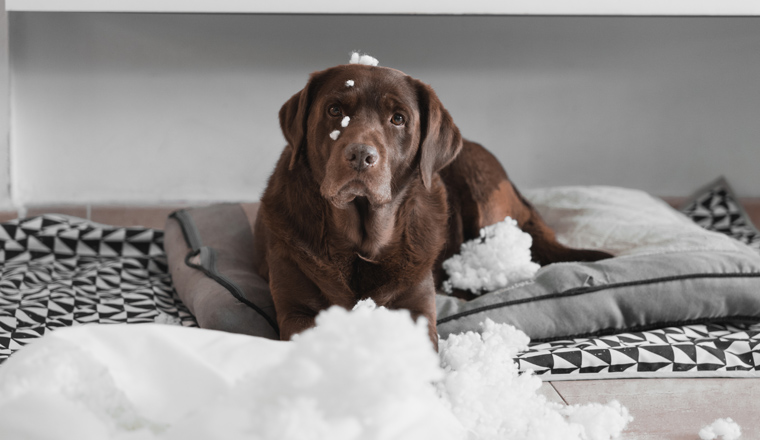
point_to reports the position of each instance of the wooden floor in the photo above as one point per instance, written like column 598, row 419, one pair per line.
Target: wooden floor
column 663, row 409
column 669, row 409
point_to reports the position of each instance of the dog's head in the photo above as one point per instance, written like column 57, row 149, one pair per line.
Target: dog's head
column 366, row 131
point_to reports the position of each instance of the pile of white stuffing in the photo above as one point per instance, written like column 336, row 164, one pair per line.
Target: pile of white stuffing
column 491, row 400
column 721, row 429
column 370, row 373
column 498, row 259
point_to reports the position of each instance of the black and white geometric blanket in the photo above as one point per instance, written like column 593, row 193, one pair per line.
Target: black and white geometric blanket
column 59, row 271
column 702, row 350
column 716, row 208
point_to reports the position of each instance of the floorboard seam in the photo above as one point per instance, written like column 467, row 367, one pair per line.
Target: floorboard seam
column 559, row 394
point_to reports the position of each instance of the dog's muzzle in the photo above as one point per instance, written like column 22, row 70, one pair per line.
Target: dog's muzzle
column 361, row 156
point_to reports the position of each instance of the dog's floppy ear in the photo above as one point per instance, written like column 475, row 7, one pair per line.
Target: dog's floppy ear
column 440, row 140
column 294, row 115
column 293, row 123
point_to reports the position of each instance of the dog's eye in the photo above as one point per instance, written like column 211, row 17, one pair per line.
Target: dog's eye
column 334, row 110
column 398, row 119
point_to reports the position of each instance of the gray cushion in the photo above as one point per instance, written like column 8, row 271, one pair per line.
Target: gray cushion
column 211, row 260
column 667, row 271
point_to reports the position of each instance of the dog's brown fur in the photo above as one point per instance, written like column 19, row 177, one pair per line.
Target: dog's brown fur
column 334, row 229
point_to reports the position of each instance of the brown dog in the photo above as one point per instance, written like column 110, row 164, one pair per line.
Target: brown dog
column 374, row 190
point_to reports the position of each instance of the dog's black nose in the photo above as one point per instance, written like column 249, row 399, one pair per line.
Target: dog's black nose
column 361, row 156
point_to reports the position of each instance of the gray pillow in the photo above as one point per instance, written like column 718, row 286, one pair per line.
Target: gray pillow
column 211, row 256
column 667, row 271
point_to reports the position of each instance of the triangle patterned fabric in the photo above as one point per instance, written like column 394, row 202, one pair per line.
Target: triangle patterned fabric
column 693, row 350
column 717, row 209
column 60, row 271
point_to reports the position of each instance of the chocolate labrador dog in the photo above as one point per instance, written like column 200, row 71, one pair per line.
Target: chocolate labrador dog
column 375, row 189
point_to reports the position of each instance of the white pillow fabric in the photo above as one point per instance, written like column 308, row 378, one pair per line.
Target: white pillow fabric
column 622, row 222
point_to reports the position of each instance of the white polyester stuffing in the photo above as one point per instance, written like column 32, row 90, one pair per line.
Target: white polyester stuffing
column 361, row 374
column 344, row 122
column 350, row 83
column 358, row 58
column 725, row 429
column 492, row 401
column 499, row 258
column 75, row 388
column 366, row 374
column 334, row 135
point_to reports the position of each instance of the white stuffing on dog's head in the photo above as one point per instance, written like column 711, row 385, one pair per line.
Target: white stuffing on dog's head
column 350, row 83
column 499, row 258
column 359, row 58
column 345, row 121
column 334, row 135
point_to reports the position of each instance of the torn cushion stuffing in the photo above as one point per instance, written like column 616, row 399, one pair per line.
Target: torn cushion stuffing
column 667, row 271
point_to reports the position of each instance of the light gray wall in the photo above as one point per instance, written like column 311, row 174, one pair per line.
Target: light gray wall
column 136, row 108
column 5, row 196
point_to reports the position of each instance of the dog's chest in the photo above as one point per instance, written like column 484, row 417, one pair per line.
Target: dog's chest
column 360, row 278
column 366, row 278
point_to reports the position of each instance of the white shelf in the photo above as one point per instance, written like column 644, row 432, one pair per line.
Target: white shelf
column 423, row 7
